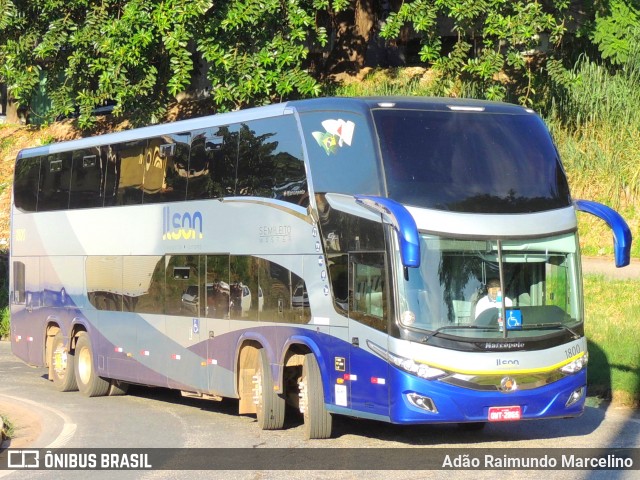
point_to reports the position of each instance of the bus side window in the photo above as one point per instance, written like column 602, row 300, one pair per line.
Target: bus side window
column 217, row 286
column 86, row 179
column 367, row 300
column 55, row 182
column 339, row 277
column 182, row 287
column 212, row 163
column 164, row 158
column 270, row 161
column 19, row 285
column 131, row 160
column 26, row 181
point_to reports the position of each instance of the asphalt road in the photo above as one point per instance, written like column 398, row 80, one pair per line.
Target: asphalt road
column 606, row 266
column 158, row 418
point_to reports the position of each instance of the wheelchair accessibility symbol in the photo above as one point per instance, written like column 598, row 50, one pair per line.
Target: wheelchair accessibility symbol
column 514, row 320
column 196, row 325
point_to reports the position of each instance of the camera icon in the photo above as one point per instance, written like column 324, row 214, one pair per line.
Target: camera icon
column 20, row 459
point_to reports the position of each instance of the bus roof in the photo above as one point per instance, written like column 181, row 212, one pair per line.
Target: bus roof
column 354, row 104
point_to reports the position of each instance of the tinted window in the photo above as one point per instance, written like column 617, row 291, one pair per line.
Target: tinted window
column 86, row 179
column 182, row 292
column 470, row 162
column 19, row 286
column 129, row 162
column 26, row 183
column 243, row 288
column 339, row 278
column 143, row 284
column 282, row 294
column 166, row 161
column 212, row 163
column 55, row 181
column 341, row 153
column 270, row 161
column 104, row 282
column 368, row 302
column 111, row 169
column 217, row 286
column 342, row 232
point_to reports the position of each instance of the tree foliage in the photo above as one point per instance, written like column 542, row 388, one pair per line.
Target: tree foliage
column 616, row 30
column 492, row 38
column 141, row 53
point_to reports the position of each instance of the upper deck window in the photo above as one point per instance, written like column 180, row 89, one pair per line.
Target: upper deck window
column 341, row 156
column 467, row 161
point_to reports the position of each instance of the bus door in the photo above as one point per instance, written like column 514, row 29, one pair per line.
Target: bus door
column 368, row 314
column 26, row 326
column 185, row 349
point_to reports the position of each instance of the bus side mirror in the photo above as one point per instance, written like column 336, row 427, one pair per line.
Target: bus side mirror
column 621, row 232
column 396, row 214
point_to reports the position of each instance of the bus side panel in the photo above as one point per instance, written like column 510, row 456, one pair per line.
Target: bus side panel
column 368, row 373
column 117, row 340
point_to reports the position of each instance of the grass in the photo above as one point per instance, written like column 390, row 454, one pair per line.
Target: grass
column 8, row 428
column 4, row 322
column 612, row 308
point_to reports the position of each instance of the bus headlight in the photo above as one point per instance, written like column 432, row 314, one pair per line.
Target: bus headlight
column 418, row 369
column 577, row 365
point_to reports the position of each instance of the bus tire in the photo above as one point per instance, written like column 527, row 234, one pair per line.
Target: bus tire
column 117, row 388
column 270, row 406
column 89, row 383
column 317, row 420
column 61, row 366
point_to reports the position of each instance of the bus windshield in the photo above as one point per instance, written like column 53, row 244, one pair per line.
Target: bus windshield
column 458, row 290
column 465, row 161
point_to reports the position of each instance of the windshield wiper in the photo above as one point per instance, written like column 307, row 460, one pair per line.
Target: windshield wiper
column 549, row 326
column 448, row 327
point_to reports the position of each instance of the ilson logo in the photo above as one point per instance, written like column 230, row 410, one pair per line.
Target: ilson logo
column 176, row 225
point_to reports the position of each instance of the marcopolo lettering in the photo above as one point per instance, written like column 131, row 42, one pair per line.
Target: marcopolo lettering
column 181, row 225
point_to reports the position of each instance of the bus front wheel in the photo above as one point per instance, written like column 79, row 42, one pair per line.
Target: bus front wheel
column 270, row 406
column 317, row 420
column 89, row 383
column 61, row 370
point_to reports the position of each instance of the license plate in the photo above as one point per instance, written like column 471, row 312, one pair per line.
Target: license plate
column 505, row 414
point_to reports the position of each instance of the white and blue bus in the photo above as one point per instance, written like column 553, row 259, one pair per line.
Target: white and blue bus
column 332, row 254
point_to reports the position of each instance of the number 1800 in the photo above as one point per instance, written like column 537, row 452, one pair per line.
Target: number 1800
column 573, row 351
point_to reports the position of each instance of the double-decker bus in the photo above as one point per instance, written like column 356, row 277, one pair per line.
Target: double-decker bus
column 333, row 254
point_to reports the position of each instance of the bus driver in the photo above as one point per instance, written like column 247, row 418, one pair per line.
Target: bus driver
column 490, row 300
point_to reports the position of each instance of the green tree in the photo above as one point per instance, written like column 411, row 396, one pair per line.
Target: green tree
column 141, row 53
column 497, row 43
column 616, row 29
column 256, row 50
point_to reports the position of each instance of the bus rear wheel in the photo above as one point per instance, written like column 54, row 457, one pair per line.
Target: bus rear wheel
column 317, row 420
column 61, row 366
column 89, row 383
column 270, row 406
